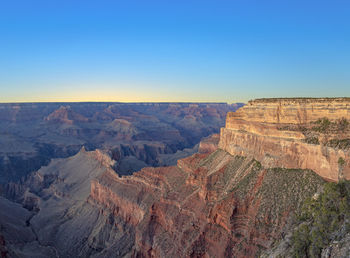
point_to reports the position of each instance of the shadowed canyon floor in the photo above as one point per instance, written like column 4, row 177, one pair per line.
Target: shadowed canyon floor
column 135, row 134
column 236, row 198
column 209, row 204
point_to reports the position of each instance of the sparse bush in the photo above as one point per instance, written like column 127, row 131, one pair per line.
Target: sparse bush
column 320, row 219
column 341, row 161
column 323, row 125
column 257, row 165
column 343, row 124
column 301, row 240
column 339, row 143
column 312, row 140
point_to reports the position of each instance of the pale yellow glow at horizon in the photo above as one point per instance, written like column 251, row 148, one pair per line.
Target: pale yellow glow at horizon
column 129, row 93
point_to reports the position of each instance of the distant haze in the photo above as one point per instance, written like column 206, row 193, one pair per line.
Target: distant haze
column 193, row 51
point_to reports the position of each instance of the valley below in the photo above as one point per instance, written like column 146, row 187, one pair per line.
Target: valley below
column 134, row 134
column 157, row 180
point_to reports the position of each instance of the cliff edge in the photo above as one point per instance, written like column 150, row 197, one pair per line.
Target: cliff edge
column 235, row 201
column 306, row 133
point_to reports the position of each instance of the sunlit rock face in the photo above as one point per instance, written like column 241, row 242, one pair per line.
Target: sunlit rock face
column 293, row 110
column 220, row 202
column 209, row 205
column 293, row 133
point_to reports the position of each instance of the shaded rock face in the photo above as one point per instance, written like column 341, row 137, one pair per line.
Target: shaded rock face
column 277, row 133
column 209, row 205
column 216, row 203
column 17, row 238
column 56, row 217
column 209, row 144
column 135, row 134
column 64, row 115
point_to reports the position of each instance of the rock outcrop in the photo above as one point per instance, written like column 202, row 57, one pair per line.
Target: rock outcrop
column 65, row 115
column 209, row 205
column 293, row 110
column 292, row 133
column 209, row 144
column 234, row 201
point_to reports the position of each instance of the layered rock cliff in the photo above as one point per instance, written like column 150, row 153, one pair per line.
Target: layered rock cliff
column 293, row 133
column 209, row 205
column 234, row 201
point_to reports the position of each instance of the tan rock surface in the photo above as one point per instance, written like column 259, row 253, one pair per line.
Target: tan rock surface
column 292, row 110
column 257, row 130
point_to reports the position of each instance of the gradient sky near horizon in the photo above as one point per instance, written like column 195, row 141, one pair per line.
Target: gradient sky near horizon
column 225, row 51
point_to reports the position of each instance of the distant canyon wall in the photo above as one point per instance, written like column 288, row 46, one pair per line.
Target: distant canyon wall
column 135, row 134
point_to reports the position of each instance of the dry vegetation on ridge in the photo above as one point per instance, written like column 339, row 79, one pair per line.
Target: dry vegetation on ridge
column 335, row 134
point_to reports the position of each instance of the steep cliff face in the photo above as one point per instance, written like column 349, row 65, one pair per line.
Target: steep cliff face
column 234, row 201
column 209, row 205
column 293, row 110
column 293, row 133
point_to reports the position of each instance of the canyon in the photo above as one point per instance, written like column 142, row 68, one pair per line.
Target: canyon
column 135, row 134
column 238, row 196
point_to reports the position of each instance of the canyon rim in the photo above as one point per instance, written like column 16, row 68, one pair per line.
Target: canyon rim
column 238, row 196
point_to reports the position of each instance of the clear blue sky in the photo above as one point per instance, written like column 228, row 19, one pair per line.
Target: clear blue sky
column 227, row 51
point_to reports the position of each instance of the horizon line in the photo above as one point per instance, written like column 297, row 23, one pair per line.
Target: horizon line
column 123, row 102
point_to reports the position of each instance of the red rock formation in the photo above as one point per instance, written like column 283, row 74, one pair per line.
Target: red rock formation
column 261, row 129
column 292, row 110
column 65, row 115
column 213, row 204
column 209, row 205
column 209, row 144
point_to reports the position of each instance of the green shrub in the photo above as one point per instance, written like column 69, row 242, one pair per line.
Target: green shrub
column 320, row 219
column 257, row 165
column 343, row 124
column 341, row 161
column 312, row 140
column 323, row 124
column 339, row 143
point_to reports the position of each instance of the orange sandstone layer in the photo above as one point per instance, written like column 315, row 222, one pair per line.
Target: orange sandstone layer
column 209, row 205
column 257, row 130
column 292, row 110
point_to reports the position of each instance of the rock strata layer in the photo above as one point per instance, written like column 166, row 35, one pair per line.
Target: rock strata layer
column 234, row 201
column 276, row 132
column 209, row 205
column 136, row 134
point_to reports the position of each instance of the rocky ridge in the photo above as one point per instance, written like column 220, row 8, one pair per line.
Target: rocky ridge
column 210, row 204
column 136, row 134
column 213, row 205
column 292, row 133
column 231, row 201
